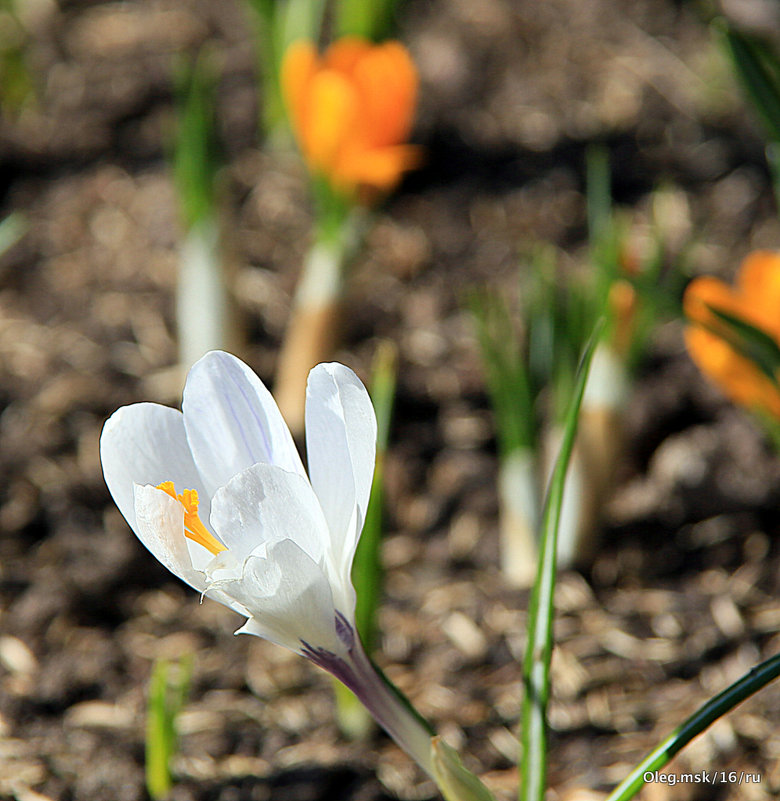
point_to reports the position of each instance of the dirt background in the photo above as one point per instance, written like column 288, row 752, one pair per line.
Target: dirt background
column 683, row 596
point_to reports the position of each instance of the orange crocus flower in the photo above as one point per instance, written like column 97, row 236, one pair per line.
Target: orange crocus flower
column 756, row 300
column 352, row 110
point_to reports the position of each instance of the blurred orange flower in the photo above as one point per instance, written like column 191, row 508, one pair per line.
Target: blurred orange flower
column 756, row 300
column 352, row 110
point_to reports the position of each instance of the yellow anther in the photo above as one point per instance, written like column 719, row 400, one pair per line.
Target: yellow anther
column 193, row 525
column 189, row 500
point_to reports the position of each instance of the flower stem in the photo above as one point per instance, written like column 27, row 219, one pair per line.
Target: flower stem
column 314, row 329
column 205, row 318
column 312, row 332
column 389, row 707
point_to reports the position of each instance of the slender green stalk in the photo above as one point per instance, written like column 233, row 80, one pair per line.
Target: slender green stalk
column 195, row 158
column 371, row 19
column 272, row 113
column 715, row 708
column 508, row 381
column 512, row 396
column 560, row 317
column 598, row 193
column 167, row 695
column 758, row 70
column 278, row 23
column 205, row 319
column 314, row 328
column 604, row 242
column 367, row 567
column 536, row 665
column 757, row 66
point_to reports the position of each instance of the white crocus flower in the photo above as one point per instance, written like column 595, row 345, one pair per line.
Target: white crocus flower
column 278, row 545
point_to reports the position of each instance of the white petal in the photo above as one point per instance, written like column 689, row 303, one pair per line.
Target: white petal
column 341, row 447
column 287, row 596
column 232, row 421
column 160, row 527
column 265, row 504
column 146, row 444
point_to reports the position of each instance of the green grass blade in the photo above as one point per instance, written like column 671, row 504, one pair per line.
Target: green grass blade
column 158, row 775
column 195, row 156
column 598, row 193
column 773, row 159
column 506, row 373
column 277, row 24
column 168, row 691
column 536, row 665
column 371, row 19
column 758, row 70
column 367, row 569
column 354, row 721
column 715, row 708
column 272, row 111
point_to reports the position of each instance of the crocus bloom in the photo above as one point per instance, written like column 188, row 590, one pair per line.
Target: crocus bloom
column 352, row 111
column 756, row 300
column 218, row 494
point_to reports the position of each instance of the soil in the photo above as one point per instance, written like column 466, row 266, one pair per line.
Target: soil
column 681, row 598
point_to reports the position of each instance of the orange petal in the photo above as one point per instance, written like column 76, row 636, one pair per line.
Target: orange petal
column 330, row 119
column 737, row 377
column 704, row 293
column 757, row 301
column 379, row 168
column 387, row 82
column 299, row 66
column 346, row 53
column 759, row 282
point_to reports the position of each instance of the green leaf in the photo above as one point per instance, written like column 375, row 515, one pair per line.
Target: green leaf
column 367, row 568
column 279, row 23
column 195, row 156
column 598, row 193
column 538, row 653
column 506, row 371
column 367, row 575
column 158, row 739
column 704, row 717
column 749, row 341
column 758, row 69
column 454, row 780
column 370, row 19
column 167, row 696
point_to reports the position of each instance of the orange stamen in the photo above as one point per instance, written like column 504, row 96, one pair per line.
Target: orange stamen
column 193, row 525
